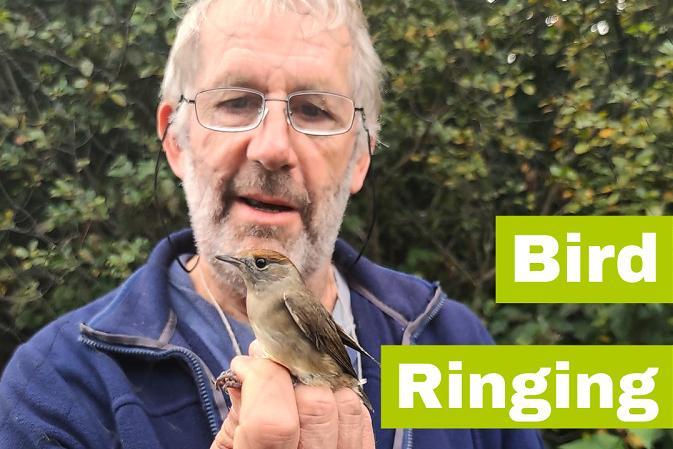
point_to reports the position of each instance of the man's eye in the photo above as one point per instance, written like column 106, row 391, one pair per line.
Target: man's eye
column 235, row 104
column 309, row 111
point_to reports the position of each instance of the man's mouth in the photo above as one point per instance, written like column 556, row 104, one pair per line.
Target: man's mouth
column 266, row 206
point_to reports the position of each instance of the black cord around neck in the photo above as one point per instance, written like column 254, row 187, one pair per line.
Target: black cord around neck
column 155, row 196
column 372, row 186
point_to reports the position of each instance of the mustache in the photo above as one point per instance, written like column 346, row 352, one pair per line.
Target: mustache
column 255, row 178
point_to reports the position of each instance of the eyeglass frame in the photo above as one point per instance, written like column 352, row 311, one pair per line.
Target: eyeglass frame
column 265, row 110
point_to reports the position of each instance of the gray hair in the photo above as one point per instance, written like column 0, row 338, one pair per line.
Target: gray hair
column 365, row 70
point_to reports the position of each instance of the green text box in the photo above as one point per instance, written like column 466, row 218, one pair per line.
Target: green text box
column 593, row 231
column 615, row 363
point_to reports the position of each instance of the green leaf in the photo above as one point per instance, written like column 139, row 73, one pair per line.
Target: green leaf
column 21, row 253
column 644, row 437
column 118, row 99
column 528, row 88
column 80, row 83
column 581, row 148
column 596, row 441
column 86, row 67
column 666, row 48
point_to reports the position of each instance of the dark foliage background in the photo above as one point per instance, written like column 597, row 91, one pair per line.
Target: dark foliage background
column 493, row 107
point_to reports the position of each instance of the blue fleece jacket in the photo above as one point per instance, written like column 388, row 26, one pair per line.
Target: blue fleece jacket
column 125, row 372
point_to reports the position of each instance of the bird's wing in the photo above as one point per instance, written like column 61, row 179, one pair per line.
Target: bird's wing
column 323, row 332
column 350, row 342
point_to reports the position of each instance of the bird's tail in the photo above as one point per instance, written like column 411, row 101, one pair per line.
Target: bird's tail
column 364, row 398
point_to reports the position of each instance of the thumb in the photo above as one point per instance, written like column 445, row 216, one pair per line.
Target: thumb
column 256, row 349
column 235, row 396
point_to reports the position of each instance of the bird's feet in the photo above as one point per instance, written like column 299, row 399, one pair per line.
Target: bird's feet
column 227, row 379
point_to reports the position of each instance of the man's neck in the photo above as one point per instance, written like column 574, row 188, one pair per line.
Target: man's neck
column 321, row 283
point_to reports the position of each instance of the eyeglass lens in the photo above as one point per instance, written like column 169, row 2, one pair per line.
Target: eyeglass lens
column 309, row 112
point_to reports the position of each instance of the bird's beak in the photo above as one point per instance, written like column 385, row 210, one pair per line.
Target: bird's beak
column 230, row 259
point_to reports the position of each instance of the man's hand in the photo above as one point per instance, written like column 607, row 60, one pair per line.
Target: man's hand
column 269, row 412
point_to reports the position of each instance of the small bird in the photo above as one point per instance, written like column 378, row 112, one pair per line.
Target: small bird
column 292, row 326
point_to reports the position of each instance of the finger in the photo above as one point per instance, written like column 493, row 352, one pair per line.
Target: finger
column 255, row 349
column 368, row 441
column 267, row 414
column 225, row 437
column 351, row 418
column 318, row 417
column 235, row 396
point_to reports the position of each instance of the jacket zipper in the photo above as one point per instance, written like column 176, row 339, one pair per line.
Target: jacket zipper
column 193, row 360
column 433, row 313
column 409, row 437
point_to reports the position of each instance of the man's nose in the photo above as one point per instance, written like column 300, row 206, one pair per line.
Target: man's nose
column 271, row 145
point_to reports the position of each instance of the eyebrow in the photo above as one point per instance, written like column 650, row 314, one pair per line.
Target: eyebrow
column 238, row 80
column 235, row 80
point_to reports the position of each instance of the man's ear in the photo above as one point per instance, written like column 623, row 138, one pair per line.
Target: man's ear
column 174, row 154
column 361, row 166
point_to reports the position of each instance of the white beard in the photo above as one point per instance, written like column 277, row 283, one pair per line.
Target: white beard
column 209, row 201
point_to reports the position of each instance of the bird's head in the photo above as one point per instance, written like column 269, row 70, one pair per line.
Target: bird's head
column 262, row 267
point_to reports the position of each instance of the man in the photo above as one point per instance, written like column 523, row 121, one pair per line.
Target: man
column 268, row 109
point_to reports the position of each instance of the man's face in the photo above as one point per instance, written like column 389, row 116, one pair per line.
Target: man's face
column 271, row 187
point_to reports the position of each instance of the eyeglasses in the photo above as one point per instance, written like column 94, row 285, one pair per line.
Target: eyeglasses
column 235, row 109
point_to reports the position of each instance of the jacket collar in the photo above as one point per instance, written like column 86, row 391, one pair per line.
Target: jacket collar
column 140, row 307
column 402, row 296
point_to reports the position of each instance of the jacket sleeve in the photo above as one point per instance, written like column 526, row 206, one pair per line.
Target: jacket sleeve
column 47, row 400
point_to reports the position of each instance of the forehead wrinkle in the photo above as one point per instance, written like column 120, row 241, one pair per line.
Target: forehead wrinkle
column 228, row 72
column 258, row 81
column 246, row 17
column 230, row 24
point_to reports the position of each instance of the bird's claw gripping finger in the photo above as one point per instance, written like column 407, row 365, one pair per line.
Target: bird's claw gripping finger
column 227, row 379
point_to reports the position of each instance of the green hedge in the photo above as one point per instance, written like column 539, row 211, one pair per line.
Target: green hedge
column 492, row 108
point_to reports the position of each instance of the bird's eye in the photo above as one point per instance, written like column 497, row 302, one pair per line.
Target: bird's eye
column 260, row 263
